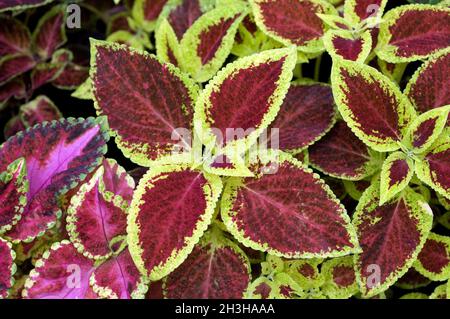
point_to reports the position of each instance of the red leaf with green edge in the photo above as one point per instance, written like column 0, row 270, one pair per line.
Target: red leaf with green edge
column 412, row 280
column 62, row 273
column 6, row 5
column 305, row 273
column 374, row 108
column 293, row 22
column 13, row 126
column 71, row 77
column 396, row 172
column 146, row 12
column 425, row 96
column 143, row 133
column 44, row 73
column 171, row 208
column 223, row 165
column 14, row 88
column 341, row 154
column 14, row 65
column 13, row 194
column 182, row 15
column 342, row 44
column 208, row 42
column 391, row 70
column 216, row 269
column 58, row 156
column 413, row 32
column 340, row 279
column 391, row 236
column 7, row 268
column 434, row 168
column 433, row 260
column 426, row 128
column 260, row 288
column 97, row 213
column 291, row 213
column 245, row 95
column 118, row 278
column 14, row 36
column 359, row 10
column 284, row 287
column 167, row 45
column 50, row 32
column 440, row 292
column 307, row 113
column 39, row 110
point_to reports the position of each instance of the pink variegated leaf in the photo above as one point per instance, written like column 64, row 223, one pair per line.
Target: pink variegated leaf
column 14, row 36
column 39, row 110
column 343, row 44
column 146, row 12
column 293, row 22
column 13, row 194
column 7, row 268
column 391, row 236
column 433, row 260
column 339, row 278
column 50, row 32
column 97, row 218
column 6, row 5
column 286, row 210
column 14, row 65
column 171, row 208
column 216, row 269
column 414, row 32
column 341, row 154
column 374, row 108
column 396, row 172
column 307, row 113
column 58, row 155
column 152, row 100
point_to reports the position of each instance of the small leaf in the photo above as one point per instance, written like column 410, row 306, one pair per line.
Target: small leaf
column 396, row 173
column 391, row 236
column 167, row 45
column 14, row 65
column 71, row 77
column 14, row 36
column 373, row 107
column 433, row 260
column 146, row 12
column 359, row 10
column 412, row 280
column 39, row 110
column 260, row 288
column 181, row 15
column 440, row 292
column 6, row 5
column 342, row 44
column 7, row 268
column 305, row 273
column 340, row 279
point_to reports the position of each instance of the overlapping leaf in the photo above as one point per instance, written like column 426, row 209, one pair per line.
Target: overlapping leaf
column 342, row 44
column 396, row 173
column 7, row 268
column 433, row 260
column 340, row 279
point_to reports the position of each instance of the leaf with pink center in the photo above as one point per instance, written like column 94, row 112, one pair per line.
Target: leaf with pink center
column 341, row 154
column 39, row 110
column 146, row 12
column 340, row 278
column 360, row 10
column 286, row 210
column 374, row 108
column 50, row 32
column 6, row 5
column 414, row 32
column 13, row 194
column 97, row 212
column 396, row 172
column 307, row 113
column 391, row 236
column 14, row 36
column 243, row 99
column 171, row 209
column 208, row 42
column 293, row 22
column 7, row 268
column 434, row 167
column 433, row 260
column 58, row 156
column 14, row 65
column 151, row 102
column 342, row 44
column 216, row 269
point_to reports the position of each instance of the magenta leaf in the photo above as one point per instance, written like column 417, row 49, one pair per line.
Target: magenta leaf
column 39, row 110
column 58, row 156
column 13, row 126
column 14, row 36
column 14, row 65
column 7, row 268
column 14, row 88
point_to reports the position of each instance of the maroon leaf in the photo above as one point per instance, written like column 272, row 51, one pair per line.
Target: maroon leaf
column 183, row 16
column 7, row 268
column 433, row 260
column 14, row 88
column 39, row 110
column 14, row 65
column 13, row 126
column 412, row 280
column 71, row 77
column 14, row 36
column 21, row 4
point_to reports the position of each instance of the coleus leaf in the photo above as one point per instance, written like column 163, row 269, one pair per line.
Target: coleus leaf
column 143, row 133
column 50, row 32
column 216, row 269
column 414, row 295
column 433, row 168
column 305, row 272
column 440, row 292
column 260, row 288
column 171, row 209
column 181, row 14
column 58, row 155
column 429, row 86
column 284, row 287
column 426, row 128
column 13, row 194
column 14, row 36
column 293, row 22
column 97, row 213
column 263, row 79
column 433, row 260
column 359, row 10
column 307, row 113
column 208, row 42
column 374, row 108
column 341, row 154
column 412, row 280
column 342, row 44
column 71, row 77
column 339, row 278
column 14, row 88
column 13, row 126
column 396, row 172
column 146, row 12
column 21, row 4
column 283, row 213
column 14, row 65
column 167, row 45
column 44, row 73
column 390, row 235
column 39, row 110
column 398, row 42
column 7, row 268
